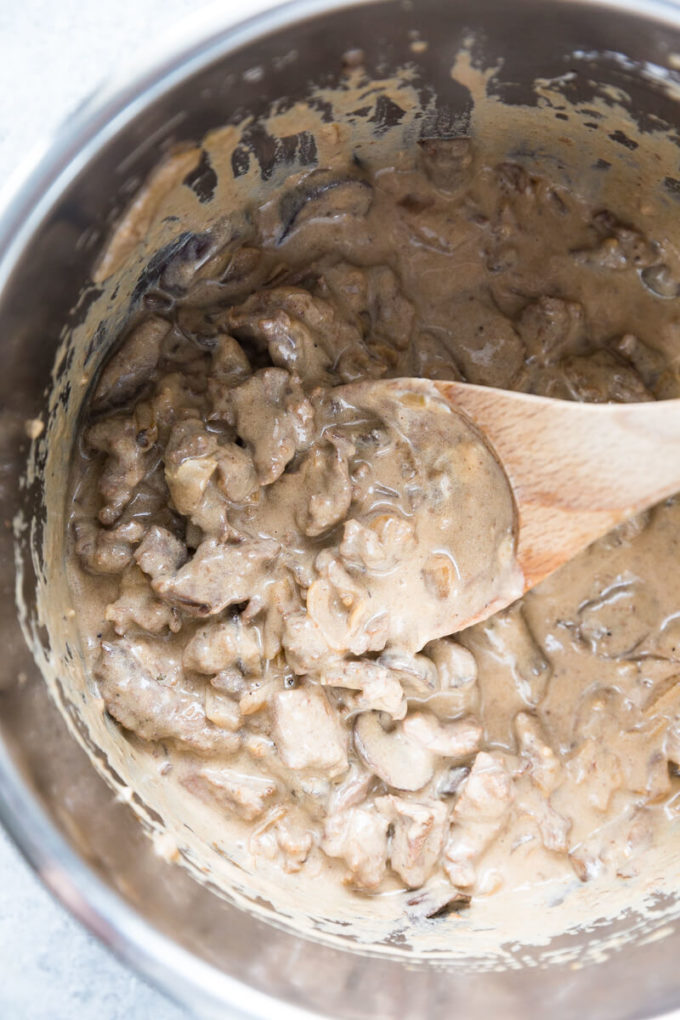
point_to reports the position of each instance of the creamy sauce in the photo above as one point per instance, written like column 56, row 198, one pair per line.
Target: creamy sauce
column 331, row 538
column 485, row 274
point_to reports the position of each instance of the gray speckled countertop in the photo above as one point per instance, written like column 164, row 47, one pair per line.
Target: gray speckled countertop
column 53, row 56
column 52, row 969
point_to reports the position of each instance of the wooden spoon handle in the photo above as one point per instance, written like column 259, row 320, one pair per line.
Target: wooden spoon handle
column 576, row 469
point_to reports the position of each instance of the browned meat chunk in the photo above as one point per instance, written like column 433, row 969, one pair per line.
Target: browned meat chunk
column 306, row 648
column 307, row 733
column 488, row 349
column 189, row 463
column 285, row 837
column 359, row 836
column 127, row 462
column 479, row 814
column 131, row 366
column 218, row 646
column 222, row 710
column 218, row 575
column 230, row 366
column 101, row 550
column 160, row 553
column 243, row 793
column 418, row 836
column 137, row 606
column 324, row 476
column 236, row 475
column 274, row 418
column 144, row 690
column 297, row 330
column 552, row 329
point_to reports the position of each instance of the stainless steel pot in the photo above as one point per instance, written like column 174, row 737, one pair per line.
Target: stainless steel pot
column 88, row 847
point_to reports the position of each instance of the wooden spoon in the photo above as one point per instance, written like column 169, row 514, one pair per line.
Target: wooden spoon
column 576, row 470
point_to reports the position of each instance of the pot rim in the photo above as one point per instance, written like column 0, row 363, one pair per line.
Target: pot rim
column 31, row 192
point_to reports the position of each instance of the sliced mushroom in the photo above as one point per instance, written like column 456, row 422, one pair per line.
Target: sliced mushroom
column 417, row 674
column 456, row 670
column 457, row 740
column 399, row 761
column 379, row 687
column 321, row 194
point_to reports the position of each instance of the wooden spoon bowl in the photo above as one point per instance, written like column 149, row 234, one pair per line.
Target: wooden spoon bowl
column 576, row 470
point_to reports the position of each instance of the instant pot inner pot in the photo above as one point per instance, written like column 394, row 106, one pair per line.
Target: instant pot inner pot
column 545, row 78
